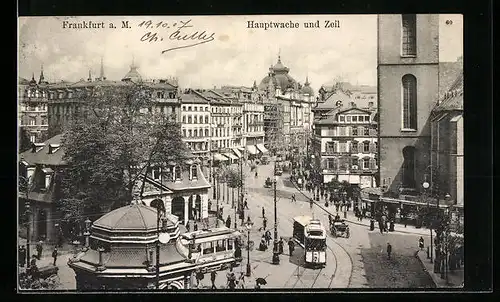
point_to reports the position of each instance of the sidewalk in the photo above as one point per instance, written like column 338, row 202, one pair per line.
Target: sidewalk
column 351, row 218
column 67, row 248
column 455, row 278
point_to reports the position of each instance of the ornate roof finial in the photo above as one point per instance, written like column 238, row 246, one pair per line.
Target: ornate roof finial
column 133, row 63
column 279, row 55
column 90, row 76
column 41, row 75
column 307, row 81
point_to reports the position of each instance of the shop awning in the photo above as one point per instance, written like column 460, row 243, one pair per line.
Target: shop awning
column 252, row 149
column 237, row 152
column 262, row 148
column 229, row 155
column 220, row 157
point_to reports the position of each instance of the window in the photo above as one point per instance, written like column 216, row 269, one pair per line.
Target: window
column 409, row 102
column 195, row 132
column 348, row 118
column 195, row 119
column 190, row 133
column 343, row 147
column 206, row 119
column 189, row 108
column 183, row 108
column 221, row 246
column 230, row 244
column 206, row 132
column 366, row 131
column 195, row 108
column 32, row 121
column 366, row 147
column 189, row 119
column 208, row 248
column 330, row 147
column 33, row 138
column 366, row 163
column 177, row 173
column 409, row 37
column 354, row 131
column 342, row 131
column 354, row 161
column 355, row 119
column 354, row 146
column 184, row 132
column 367, row 118
column 156, row 173
column 330, row 164
column 194, row 172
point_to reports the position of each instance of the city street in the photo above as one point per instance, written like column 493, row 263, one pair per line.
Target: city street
column 356, row 262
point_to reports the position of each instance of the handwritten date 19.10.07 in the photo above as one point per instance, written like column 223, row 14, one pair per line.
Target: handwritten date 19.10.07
column 176, row 32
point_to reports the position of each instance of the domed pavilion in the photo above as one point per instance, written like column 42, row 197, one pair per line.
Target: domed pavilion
column 120, row 252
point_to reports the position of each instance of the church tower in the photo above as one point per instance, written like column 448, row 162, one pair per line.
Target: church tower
column 408, row 87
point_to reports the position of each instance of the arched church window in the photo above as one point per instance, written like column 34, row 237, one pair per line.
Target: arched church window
column 409, row 35
column 409, row 102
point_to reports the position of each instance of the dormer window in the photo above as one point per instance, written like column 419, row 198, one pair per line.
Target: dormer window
column 341, row 118
column 53, row 148
column 156, row 173
column 194, row 172
column 37, row 147
column 48, row 175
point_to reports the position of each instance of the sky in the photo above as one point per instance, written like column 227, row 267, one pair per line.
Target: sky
column 237, row 55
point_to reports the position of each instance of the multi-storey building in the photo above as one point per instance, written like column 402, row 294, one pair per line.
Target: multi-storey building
column 252, row 116
column 65, row 104
column 32, row 106
column 196, row 123
column 410, row 82
column 345, row 145
column 287, row 106
column 408, row 87
column 447, row 152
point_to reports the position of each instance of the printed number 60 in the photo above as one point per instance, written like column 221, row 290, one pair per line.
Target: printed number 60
column 449, row 22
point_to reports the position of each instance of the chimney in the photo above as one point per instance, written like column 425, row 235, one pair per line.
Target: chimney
column 353, row 105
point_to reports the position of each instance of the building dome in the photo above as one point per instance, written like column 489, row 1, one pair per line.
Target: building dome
column 280, row 77
column 307, row 89
column 136, row 217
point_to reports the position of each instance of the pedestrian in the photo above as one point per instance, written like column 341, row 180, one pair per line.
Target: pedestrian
column 22, row 256
column 421, row 243
column 389, row 250
column 280, row 245
column 293, row 198
column 213, row 275
column 262, row 245
column 263, row 213
column 209, row 204
column 264, row 223
column 311, row 204
column 195, row 227
column 291, row 246
column 241, row 280
column 228, row 221
column 39, row 249
column 345, row 214
column 54, row 255
column 188, row 227
column 268, row 237
column 246, row 204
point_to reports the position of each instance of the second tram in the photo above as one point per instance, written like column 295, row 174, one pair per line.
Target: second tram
column 311, row 235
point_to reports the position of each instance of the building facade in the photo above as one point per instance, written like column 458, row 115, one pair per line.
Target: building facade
column 32, row 108
column 447, row 152
column 65, row 102
column 408, row 79
column 345, row 145
column 40, row 167
column 196, row 124
column 287, row 108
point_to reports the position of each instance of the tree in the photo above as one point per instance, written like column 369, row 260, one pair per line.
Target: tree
column 108, row 146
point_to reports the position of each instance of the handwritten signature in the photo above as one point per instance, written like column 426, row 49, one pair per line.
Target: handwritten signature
column 181, row 33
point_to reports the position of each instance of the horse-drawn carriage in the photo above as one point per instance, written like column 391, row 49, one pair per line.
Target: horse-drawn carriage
column 339, row 228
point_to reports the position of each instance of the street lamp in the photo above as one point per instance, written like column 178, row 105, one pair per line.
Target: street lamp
column 28, row 224
column 276, row 256
column 248, row 225
column 87, row 234
column 446, row 247
column 426, row 186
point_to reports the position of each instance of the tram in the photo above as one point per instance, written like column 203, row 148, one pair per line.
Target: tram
column 311, row 235
column 211, row 249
